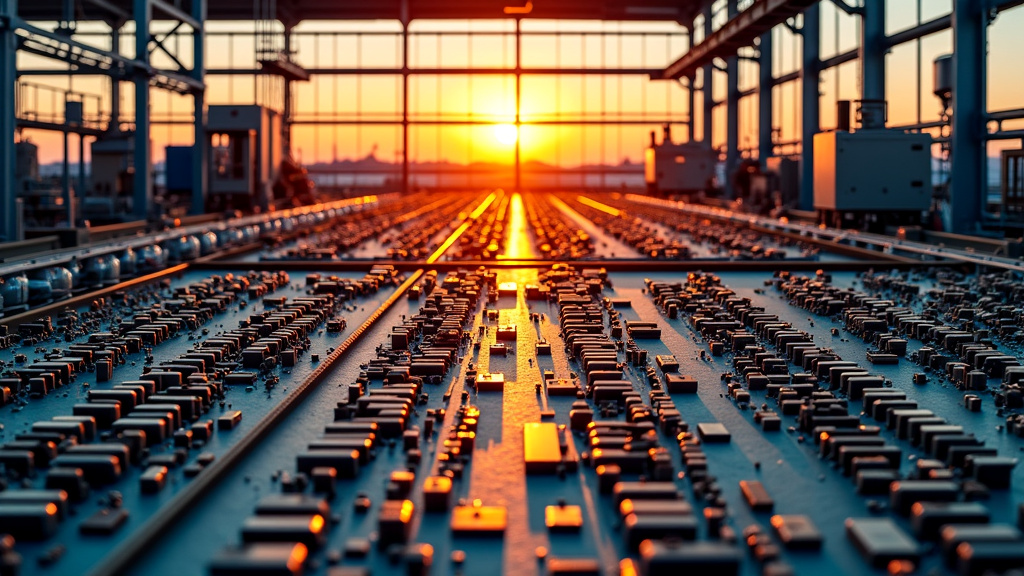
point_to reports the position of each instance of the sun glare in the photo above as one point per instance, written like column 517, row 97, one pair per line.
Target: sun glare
column 506, row 134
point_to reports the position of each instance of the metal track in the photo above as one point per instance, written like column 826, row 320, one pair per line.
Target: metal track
column 630, row 265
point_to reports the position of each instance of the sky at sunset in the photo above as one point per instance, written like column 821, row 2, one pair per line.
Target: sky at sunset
column 331, row 101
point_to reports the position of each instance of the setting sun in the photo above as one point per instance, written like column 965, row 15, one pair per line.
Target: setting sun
column 506, row 134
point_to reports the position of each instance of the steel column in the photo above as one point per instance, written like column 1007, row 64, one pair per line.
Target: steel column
column 732, row 112
column 707, row 76
column 199, row 150
column 968, row 182
column 764, row 99
column 142, row 193
column 405, row 105
column 8, row 79
column 286, row 117
column 115, row 82
column 82, row 185
column 691, row 126
column 404, row 19
column 872, row 51
column 519, row 93
column 809, row 101
column 65, row 180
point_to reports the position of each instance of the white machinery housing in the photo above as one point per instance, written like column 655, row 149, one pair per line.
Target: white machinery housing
column 873, row 169
column 678, row 168
column 245, row 149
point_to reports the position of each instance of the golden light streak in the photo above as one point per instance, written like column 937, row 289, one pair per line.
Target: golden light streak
column 602, row 207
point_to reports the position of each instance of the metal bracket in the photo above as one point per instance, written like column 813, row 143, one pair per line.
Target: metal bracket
column 851, row 10
column 789, row 23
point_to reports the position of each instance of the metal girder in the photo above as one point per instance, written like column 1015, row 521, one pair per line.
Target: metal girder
column 176, row 13
column 114, row 10
column 850, row 10
column 57, row 127
column 760, row 17
column 99, row 61
column 650, row 72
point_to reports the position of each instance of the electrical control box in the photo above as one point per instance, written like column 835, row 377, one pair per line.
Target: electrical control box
column 670, row 167
column 877, row 170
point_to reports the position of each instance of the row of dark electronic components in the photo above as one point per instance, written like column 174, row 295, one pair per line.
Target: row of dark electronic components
column 155, row 420
column 287, row 528
column 940, row 505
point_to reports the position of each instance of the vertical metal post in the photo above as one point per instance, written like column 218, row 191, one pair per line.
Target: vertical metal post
column 114, row 125
column 286, row 120
column 65, row 180
column 968, row 181
column 81, row 188
column 405, row 97
column 519, row 69
column 707, row 75
column 142, row 183
column 200, row 174
column 809, row 100
column 872, row 51
column 732, row 112
column 8, row 80
column 691, row 126
column 766, row 82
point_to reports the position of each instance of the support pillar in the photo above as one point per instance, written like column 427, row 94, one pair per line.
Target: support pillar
column 8, row 81
column 707, row 74
column 142, row 183
column 968, row 182
column 115, row 83
column 82, row 186
column 691, row 126
column 286, row 119
column 732, row 113
column 810, row 121
column 519, row 93
column 65, row 181
column 872, row 51
column 766, row 82
column 200, row 158
column 405, row 106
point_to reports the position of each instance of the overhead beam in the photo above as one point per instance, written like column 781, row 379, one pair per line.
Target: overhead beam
column 113, row 9
column 760, row 17
column 175, row 13
column 104, row 61
column 448, row 71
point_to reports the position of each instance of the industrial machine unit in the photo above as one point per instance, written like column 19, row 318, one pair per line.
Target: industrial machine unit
column 671, row 168
column 872, row 173
column 109, row 198
column 245, row 152
column 42, row 201
column 784, row 179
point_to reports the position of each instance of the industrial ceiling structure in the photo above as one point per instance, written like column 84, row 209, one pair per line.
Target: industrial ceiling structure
column 719, row 35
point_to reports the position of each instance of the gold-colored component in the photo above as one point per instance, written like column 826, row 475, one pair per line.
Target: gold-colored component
column 479, row 520
column 541, row 449
column 564, row 518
